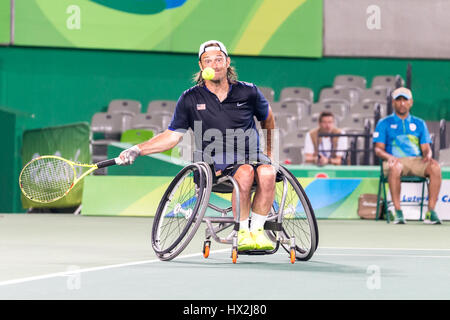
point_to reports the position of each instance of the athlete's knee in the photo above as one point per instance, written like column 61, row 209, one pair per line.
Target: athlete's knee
column 266, row 176
column 245, row 176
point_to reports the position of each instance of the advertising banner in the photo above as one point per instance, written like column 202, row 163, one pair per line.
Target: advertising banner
column 411, row 195
column 71, row 142
column 257, row 27
column 140, row 195
column 5, row 21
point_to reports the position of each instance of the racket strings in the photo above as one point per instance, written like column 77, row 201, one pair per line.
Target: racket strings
column 47, row 179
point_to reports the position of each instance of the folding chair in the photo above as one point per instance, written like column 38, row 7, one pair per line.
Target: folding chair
column 382, row 189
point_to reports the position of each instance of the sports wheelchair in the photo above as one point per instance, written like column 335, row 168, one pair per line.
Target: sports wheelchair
column 291, row 223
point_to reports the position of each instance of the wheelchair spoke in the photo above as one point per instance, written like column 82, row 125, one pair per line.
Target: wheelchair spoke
column 298, row 217
column 176, row 219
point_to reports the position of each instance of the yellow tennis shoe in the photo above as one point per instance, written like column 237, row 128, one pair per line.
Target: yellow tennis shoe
column 262, row 242
column 245, row 241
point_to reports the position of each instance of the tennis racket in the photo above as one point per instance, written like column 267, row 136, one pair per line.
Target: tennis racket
column 49, row 178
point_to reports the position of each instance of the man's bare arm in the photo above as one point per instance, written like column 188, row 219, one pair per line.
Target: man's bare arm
column 160, row 143
column 269, row 125
column 380, row 151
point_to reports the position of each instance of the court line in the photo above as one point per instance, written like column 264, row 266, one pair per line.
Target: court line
column 113, row 266
column 77, row 271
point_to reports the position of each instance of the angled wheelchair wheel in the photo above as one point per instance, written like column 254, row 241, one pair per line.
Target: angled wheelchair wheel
column 298, row 221
column 181, row 211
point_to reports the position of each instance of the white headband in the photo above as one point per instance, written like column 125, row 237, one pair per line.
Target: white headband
column 217, row 46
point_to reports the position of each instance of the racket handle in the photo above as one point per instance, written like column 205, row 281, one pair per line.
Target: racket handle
column 109, row 162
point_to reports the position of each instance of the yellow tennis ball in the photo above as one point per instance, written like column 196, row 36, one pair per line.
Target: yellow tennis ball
column 208, row 73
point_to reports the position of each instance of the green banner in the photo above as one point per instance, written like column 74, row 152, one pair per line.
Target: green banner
column 71, row 142
column 5, row 21
column 246, row 27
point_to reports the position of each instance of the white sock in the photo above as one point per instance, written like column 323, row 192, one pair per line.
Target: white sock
column 258, row 221
column 243, row 224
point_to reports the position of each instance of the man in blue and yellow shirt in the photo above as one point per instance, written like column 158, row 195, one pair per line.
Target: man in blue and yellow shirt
column 403, row 142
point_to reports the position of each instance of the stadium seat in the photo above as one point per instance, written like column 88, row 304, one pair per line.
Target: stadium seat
column 111, row 125
column 291, row 154
column 297, row 93
column 268, row 93
column 444, row 157
column 154, row 122
column 349, row 81
column 286, row 123
column 344, row 95
column 388, row 82
column 368, row 109
column 339, row 109
column 106, row 128
column 294, row 138
column 124, row 106
column 308, row 123
column 291, row 107
column 374, row 95
column 163, row 107
column 353, row 124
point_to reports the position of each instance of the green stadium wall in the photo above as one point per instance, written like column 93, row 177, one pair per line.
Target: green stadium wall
column 64, row 86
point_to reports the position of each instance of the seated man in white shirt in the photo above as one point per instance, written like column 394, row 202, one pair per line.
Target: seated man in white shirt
column 322, row 150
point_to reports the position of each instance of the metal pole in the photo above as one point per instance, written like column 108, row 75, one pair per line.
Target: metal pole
column 442, row 134
column 408, row 76
column 367, row 143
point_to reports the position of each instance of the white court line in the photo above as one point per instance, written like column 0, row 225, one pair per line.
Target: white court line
column 69, row 273
column 72, row 272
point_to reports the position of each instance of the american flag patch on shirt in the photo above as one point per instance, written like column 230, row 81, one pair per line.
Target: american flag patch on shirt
column 201, row 106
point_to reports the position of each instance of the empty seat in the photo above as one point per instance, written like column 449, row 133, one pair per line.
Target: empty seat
column 368, row 108
column 294, row 138
column 268, row 93
column 291, row 155
column 164, row 107
column 389, row 81
column 444, row 157
column 297, row 93
column 124, row 106
column 109, row 124
column 154, row 122
column 353, row 124
column 350, row 81
column 344, row 95
column 339, row 109
column 291, row 107
column 308, row 123
column 374, row 95
column 286, row 123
